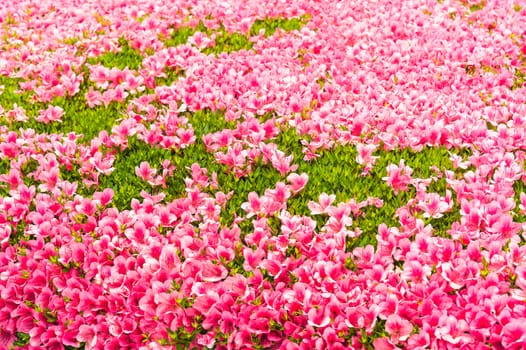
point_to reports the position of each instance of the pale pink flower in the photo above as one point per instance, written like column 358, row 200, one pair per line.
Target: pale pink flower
column 103, row 163
column 16, row 114
column 419, row 341
column 505, row 227
column 297, row 182
column 383, row 343
column 452, row 330
column 200, row 40
column 282, row 163
column 398, row 177
column 415, row 272
column 145, row 172
column 365, row 156
column 280, row 194
column 104, row 197
column 324, row 201
column 434, row 205
column 253, row 206
column 51, row 114
column 93, row 98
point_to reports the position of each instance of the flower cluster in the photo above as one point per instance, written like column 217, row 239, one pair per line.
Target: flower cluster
column 447, row 271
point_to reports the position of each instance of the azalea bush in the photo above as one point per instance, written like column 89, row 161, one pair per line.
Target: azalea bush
column 263, row 175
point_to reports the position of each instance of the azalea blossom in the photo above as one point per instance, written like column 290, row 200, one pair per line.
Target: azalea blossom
column 398, row 177
column 226, row 239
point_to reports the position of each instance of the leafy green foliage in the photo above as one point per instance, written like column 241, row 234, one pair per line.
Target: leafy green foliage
column 5, row 166
column 18, row 233
column 477, row 7
column 172, row 74
column 180, row 35
column 518, row 187
column 336, row 172
column 270, row 25
column 127, row 185
column 181, row 338
column 22, row 339
column 206, row 121
column 77, row 118
column 10, row 95
column 228, row 42
column 519, row 79
column 126, row 57
column 81, row 347
column 378, row 332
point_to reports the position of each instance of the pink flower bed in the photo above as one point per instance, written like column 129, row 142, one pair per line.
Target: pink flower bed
column 169, row 274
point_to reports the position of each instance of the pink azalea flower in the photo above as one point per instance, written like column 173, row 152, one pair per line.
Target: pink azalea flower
column 318, row 317
column 87, row 334
column 7, row 338
column 145, row 172
column 383, row 344
column 253, row 206
column 16, row 114
column 398, row 328
column 280, row 194
column 252, row 258
column 139, row 233
column 398, row 177
column 93, row 98
column 415, row 272
column 51, row 114
column 213, row 272
column 514, row 334
column 520, row 272
column 104, row 197
column 365, row 156
column 434, row 205
column 505, row 227
column 419, row 341
column 297, row 182
column 324, row 200
column 454, row 331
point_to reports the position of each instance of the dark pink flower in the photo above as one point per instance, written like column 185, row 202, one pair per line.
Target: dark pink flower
column 212, row 272
column 145, row 172
column 454, row 331
column 6, row 338
column 505, row 226
column 419, row 341
column 514, row 334
column 383, row 344
column 318, row 316
column 520, row 272
column 87, row 334
column 398, row 328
